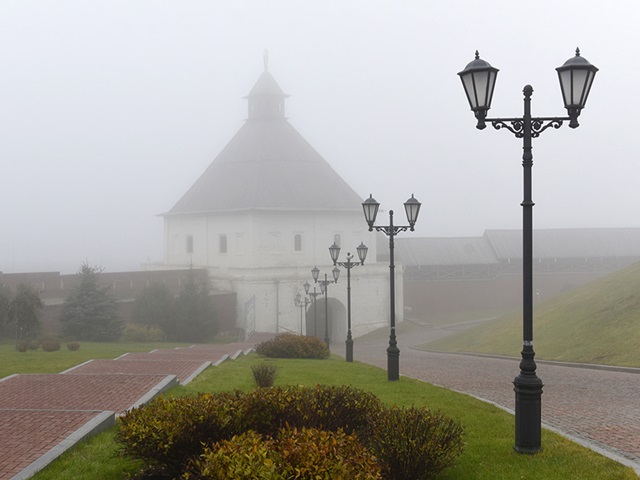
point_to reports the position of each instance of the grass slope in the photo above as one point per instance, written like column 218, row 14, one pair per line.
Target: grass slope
column 596, row 323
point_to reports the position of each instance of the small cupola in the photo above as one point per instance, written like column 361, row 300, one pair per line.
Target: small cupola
column 266, row 98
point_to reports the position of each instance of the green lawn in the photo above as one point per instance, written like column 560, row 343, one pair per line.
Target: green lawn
column 489, row 453
column 39, row 361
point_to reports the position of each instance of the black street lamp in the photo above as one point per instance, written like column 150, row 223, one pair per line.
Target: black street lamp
column 299, row 302
column 324, row 288
column 478, row 79
column 412, row 208
column 314, row 295
column 334, row 251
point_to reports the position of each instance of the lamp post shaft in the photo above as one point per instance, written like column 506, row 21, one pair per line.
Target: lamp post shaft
column 393, row 352
column 527, row 385
column 315, row 313
column 349, row 341
column 327, row 340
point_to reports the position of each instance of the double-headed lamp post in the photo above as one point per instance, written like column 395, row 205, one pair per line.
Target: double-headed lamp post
column 314, row 295
column 478, row 79
column 334, row 251
column 412, row 208
column 324, row 288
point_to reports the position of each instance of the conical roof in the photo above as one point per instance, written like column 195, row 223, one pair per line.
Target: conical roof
column 267, row 165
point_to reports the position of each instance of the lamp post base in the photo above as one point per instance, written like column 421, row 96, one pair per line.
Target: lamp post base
column 349, row 344
column 393, row 362
column 528, row 389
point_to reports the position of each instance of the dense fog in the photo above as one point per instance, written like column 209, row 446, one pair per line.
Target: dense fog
column 109, row 112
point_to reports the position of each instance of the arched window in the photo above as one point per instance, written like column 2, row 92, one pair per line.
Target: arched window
column 336, row 239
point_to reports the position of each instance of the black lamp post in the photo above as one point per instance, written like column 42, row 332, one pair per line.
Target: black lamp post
column 412, row 208
column 324, row 284
column 314, row 295
column 334, row 251
column 303, row 306
column 478, row 79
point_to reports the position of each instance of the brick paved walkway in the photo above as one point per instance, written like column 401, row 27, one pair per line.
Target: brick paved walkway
column 597, row 407
column 42, row 415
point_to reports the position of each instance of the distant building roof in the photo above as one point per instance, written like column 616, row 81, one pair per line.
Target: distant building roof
column 568, row 242
column 445, row 251
column 267, row 165
column 504, row 245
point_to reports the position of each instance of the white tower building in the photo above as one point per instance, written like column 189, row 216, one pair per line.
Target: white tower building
column 263, row 214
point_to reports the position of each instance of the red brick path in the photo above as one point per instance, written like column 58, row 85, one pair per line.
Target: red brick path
column 41, row 415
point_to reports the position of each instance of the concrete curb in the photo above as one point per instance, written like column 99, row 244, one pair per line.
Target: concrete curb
column 221, row 359
column 100, row 422
column 69, row 370
column 196, row 373
column 168, row 382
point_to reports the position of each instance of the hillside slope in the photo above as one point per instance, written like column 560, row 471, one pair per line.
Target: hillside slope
column 596, row 323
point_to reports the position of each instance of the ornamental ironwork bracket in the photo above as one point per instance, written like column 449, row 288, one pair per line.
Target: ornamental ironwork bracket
column 516, row 125
column 389, row 231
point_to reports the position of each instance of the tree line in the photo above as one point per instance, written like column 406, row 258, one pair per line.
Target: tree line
column 91, row 313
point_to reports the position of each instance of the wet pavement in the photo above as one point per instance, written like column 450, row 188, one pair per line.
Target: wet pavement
column 596, row 406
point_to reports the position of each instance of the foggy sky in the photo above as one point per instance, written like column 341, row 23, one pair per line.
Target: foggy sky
column 110, row 110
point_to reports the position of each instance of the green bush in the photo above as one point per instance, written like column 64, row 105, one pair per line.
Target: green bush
column 248, row 456
column 50, row 344
column 323, row 407
column 264, row 374
column 415, row 443
column 73, row 346
column 171, row 434
column 309, row 453
column 288, row 345
column 168, row 431
column 33, row 345
column 22, row 346
column 305, row 453
column 134, row 332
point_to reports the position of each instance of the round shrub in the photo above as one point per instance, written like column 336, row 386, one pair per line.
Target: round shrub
column 50, row 345
column 415, row 442
column 22, row 346
column 288, row 345
column 73, row 346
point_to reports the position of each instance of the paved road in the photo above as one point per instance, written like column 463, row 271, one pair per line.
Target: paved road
column 597, row 407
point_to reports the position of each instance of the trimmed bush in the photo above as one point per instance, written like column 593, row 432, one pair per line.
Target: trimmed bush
column 248, row 456
column 415, row 443
column 73, row 346
column 22, row 346
column 315, row 431
column 309, row 453
column 264, row 374
column 305, row 453
column 50, row 345
column 33, row 345
column 288, row 345
column 168, row 431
